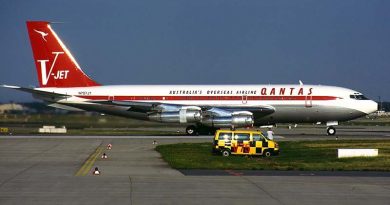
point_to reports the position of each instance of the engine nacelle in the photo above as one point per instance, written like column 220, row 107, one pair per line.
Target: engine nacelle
column 231, row 121
column 182, row 116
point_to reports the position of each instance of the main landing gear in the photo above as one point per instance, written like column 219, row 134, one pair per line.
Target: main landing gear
column 331, row 130
column 191, row 130
column 200, row 130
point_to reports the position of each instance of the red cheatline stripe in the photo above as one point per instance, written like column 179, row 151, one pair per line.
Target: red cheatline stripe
column 249, row 98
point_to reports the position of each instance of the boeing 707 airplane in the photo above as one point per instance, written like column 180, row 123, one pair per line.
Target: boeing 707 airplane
column 63, row 84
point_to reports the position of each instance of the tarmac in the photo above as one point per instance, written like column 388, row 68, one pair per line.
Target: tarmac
column 58, row 170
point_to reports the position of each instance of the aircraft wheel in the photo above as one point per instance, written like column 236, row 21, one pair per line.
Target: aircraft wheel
column 331, row 130
column 191, row 130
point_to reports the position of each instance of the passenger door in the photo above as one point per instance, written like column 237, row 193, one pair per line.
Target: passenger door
column 244, row 99
column 308, row 101
column 242, row 143
column 258, row 143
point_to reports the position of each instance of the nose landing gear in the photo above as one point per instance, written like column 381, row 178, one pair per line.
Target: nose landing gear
column 331, row 130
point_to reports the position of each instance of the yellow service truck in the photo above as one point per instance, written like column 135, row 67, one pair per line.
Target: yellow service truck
column 243, row 142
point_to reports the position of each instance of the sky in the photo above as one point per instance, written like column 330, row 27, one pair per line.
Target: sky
column 341, row 43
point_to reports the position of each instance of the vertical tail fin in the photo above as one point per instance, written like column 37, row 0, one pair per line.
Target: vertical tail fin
column 56, row 67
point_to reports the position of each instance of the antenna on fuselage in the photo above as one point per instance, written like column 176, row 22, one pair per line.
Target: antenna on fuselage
column 300, row 83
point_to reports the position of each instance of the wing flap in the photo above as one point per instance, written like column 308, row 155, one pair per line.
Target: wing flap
column 131, row 105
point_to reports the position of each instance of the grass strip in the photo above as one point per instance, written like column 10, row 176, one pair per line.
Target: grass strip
column 295, row 155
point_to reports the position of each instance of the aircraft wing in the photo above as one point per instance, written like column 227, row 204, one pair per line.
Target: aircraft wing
column 220, row 111
column 164, row 112
column 131, row 105
column 207, row 111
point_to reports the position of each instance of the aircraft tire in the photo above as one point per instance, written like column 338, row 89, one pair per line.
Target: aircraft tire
column 331, row 130
column 191, row 130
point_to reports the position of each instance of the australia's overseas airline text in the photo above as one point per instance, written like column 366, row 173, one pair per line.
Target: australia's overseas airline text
column 262, row 91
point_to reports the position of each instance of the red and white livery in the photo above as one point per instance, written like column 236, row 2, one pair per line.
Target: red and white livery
column 63, row 84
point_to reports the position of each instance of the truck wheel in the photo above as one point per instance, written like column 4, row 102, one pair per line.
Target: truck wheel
column 267, row 153
column 225, row 153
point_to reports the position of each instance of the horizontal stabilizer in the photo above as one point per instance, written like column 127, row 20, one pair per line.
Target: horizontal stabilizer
column 37, row 92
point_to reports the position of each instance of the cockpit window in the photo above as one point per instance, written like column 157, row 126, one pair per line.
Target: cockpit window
column 358, row 97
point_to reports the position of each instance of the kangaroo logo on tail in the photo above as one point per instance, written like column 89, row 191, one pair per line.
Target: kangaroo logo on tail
column 43, row 34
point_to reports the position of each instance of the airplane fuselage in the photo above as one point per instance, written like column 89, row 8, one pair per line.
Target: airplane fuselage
column 292, row 103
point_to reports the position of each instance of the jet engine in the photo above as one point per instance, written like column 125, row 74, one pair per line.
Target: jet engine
column 229, row 121
column 181, row 116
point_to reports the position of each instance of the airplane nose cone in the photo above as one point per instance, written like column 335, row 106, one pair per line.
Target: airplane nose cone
column 370, row 107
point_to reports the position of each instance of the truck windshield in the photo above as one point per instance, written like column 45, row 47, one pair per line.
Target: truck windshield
column 256, row 137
